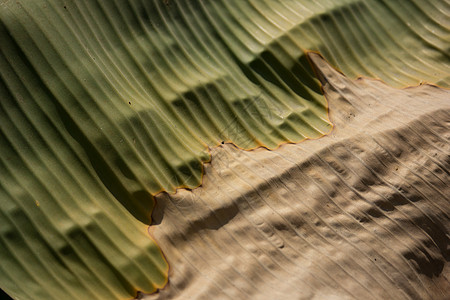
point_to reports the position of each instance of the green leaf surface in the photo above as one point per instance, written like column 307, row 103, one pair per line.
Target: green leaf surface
column 105, row 103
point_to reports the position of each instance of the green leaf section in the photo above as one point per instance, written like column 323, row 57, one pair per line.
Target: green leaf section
column 105, row 103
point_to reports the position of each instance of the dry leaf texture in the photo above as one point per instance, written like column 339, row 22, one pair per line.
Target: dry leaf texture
column 361, row 213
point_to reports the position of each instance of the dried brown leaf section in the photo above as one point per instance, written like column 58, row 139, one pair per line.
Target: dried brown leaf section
column 361, row 213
